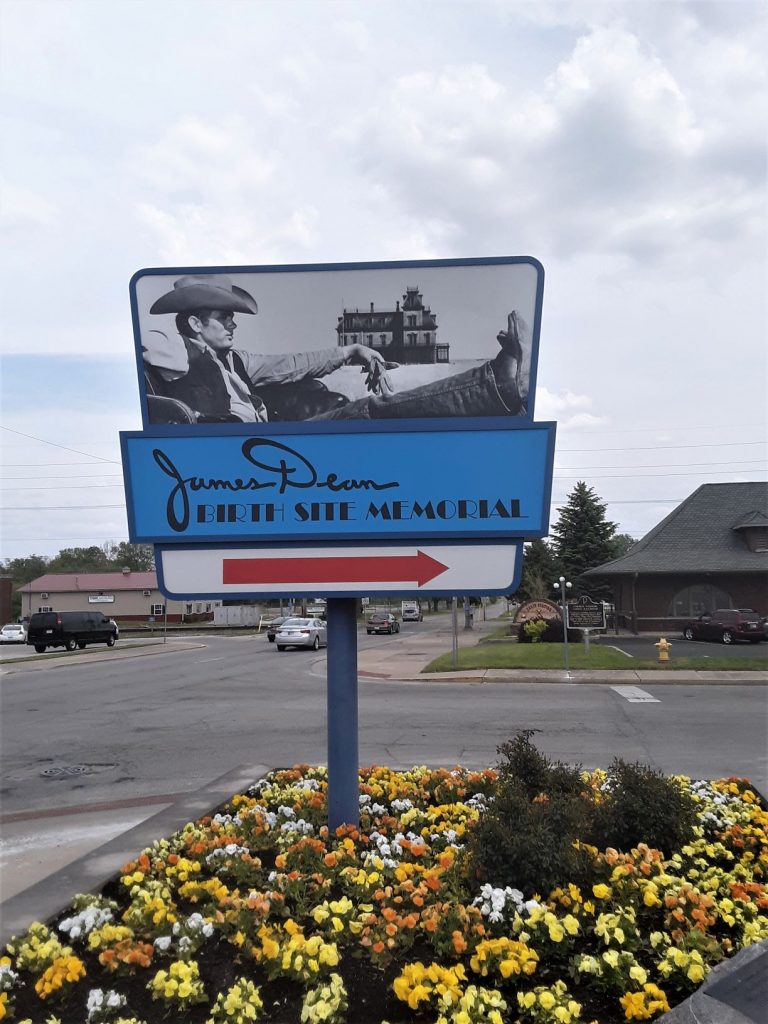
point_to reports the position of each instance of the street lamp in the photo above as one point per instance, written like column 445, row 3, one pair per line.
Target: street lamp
column 562, row 586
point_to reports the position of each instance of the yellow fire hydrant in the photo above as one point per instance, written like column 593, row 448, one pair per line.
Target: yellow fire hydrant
column 664, row 646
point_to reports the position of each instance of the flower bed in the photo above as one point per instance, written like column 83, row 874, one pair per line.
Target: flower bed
column 259, row 913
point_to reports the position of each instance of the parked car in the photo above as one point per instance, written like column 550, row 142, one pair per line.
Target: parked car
column 381, row 622
column 297, row 632
column 726, row 625
column 274, row 625
column 13, row 633
column 116, row 628
column 70, row 630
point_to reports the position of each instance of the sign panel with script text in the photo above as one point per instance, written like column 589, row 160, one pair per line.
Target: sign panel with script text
column 350, row 405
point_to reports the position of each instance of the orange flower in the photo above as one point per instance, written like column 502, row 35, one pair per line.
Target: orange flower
column 391, row 930
column 378, row 947
column 459, row 942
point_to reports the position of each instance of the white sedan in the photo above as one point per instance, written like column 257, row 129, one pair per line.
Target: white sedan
column 13, row 633
column 310, row 633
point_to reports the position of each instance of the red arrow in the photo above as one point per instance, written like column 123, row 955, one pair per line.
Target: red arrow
column 336, row 569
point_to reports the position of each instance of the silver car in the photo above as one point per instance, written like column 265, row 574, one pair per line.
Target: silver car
column 13, row 633
column 302, row 633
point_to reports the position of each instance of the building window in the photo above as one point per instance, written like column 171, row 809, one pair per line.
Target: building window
column 411, row 339
column 370, row 339
column 45, row 608
column 701, row 599
column 188, row 609
column 207, row 607
column 427, row 337
column 382, row 338
column 157, row 609
column 411, row 320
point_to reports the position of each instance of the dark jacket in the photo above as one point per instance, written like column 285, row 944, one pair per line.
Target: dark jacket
column 202, row 387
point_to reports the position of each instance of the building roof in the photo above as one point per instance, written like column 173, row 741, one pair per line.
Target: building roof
column 703, row 534
column 88, row 582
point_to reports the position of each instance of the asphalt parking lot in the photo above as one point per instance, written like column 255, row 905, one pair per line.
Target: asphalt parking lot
column 643, row 647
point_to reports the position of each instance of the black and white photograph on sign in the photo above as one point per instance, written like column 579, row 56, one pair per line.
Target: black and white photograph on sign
column 350, row 344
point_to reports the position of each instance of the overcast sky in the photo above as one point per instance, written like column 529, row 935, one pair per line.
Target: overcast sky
column 621, row 144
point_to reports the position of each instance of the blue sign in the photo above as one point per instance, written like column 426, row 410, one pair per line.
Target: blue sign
column 383, row 403
column 416, row 483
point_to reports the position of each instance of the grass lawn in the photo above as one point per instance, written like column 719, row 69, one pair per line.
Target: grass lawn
column 534, row 656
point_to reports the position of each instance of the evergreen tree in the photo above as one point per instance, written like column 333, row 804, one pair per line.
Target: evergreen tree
column 539, row 572
column 583, row 539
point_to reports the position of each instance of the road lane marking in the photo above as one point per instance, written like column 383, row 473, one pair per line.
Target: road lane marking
column 635, row 695
column 205, row 661
column 621, row 651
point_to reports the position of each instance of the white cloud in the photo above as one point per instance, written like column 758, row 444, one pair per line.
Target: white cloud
column 22, row 209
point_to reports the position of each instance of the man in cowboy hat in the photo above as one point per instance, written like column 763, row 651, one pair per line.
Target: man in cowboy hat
column 220, row 382
column 217, row 381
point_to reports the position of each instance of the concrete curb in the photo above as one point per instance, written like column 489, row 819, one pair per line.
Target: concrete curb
column 736, row 992
column 579, row 676
column 91, row 873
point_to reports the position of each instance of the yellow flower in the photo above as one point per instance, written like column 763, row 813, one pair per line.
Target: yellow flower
column 546, row 1000
column 696, row 973
column 601, row 891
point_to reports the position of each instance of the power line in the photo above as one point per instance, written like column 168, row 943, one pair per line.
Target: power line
column 62, row 487
column 54, row 508
column 660, row 447
column 44, row 465
column 635, row 476
column 42, row 440
column 558, row 470
column 656, row 465
column 104, row 476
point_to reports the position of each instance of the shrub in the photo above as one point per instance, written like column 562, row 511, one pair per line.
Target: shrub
column 540, row 808
column 525, row 838
column 533, row 630
column 642, row 805
column 552, row 633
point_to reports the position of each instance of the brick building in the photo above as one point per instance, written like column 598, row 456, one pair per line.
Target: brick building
column 711, row 552
column 406, row 334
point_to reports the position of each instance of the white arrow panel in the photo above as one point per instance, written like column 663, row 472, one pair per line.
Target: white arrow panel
column 190, row 572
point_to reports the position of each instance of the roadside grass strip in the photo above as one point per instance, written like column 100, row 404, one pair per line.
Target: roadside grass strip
column 258, row 913
column 514, row 655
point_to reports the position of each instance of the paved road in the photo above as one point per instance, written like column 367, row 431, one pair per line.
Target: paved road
column 94, row 744
column 86, row 732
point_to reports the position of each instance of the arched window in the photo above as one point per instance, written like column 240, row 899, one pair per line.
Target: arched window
column 698, row 600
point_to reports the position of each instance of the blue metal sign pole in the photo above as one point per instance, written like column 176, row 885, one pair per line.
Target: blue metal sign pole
column 343, row 762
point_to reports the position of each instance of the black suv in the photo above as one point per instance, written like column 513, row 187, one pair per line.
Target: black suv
column 70, row 630
column 727, row 625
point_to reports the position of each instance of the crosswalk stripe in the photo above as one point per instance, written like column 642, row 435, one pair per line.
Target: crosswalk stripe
column 635, row 695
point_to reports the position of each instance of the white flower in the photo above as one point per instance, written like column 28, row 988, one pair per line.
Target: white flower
column 163, row 943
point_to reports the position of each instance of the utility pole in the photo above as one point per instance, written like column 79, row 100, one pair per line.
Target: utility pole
column 562, row 586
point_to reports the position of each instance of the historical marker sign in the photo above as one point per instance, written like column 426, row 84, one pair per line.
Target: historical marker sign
column 584, row 613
